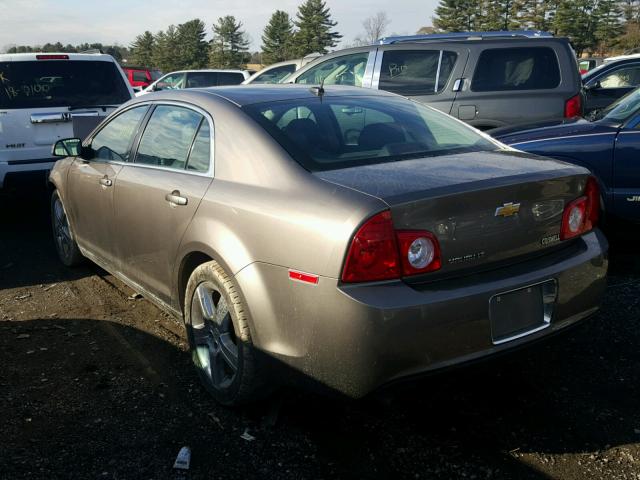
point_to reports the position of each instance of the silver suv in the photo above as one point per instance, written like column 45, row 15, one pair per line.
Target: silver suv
column 48, row 96
column 487, row 79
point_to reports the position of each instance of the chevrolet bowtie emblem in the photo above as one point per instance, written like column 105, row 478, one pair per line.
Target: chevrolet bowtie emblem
column 507, row 210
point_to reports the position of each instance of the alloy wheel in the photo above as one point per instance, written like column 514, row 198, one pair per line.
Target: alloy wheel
column 215, row 342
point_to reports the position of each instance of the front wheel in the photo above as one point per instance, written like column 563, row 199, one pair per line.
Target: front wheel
column 219, row 336
column 66, row 246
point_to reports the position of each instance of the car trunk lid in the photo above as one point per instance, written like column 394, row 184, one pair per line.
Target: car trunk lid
column 485, row 208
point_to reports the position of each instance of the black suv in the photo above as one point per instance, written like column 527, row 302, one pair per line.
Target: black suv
column 487, row 79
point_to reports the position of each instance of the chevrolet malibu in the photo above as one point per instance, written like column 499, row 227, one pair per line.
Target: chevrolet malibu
column 343, row 236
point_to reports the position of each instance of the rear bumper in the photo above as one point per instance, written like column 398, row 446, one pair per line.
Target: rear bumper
column 24, row 166
column 356, row 338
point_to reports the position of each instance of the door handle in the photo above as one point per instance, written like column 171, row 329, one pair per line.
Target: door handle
column 175, row 198
column 106, row 182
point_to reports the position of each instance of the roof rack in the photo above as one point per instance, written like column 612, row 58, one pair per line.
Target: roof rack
column 92, row 50
column 464, row 36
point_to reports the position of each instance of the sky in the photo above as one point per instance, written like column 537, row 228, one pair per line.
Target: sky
column 35, row 22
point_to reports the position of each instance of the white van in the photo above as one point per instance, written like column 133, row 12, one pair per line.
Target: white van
column 48, row 96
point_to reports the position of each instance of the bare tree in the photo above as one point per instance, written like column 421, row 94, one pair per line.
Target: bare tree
column 375, row 27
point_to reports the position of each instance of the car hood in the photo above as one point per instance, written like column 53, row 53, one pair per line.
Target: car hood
column 540, row 131
column 408, row 180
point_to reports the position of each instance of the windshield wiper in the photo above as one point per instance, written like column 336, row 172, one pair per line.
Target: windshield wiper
column 103, row 107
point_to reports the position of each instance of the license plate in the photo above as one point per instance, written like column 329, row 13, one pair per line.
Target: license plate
column 520, row 312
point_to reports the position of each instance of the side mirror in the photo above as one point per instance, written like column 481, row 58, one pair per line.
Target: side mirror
column 593, row 86
column 68, row 147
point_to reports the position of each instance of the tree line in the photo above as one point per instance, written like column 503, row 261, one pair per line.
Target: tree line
column 593, row 26
column 184, row 46
column 116, row 51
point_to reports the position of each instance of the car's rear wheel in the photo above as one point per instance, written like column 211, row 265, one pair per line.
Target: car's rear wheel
column 66, row 246
column 219, row 336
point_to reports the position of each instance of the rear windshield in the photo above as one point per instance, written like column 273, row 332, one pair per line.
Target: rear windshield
column 60, row 83
column 340, row 132
column 526, row 68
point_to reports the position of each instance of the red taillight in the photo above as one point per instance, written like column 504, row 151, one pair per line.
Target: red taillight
column 373, row 254
column 52, row 57
column 573, row 107
column 378, row 252
column 581, row 215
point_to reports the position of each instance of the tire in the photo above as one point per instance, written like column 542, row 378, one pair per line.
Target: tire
column 219, row 337
column 66, row 246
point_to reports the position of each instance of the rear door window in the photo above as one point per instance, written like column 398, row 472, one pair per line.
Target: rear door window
column 113, row 141
column 344, row 70
column 416, row 72
column 202, row 79
column 200, row 155
column 168, row 136
column 525, row 68
column 230, row 78
column 61, row 83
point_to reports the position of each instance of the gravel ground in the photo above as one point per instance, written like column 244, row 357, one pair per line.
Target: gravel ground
column 95, row 383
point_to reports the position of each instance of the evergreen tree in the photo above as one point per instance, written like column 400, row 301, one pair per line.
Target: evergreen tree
column 457, row 15
column 142, row 50
column 229, row 45
column 191, row 45
column 315, row 26
column 608, row 26
column 165, row 54
column 277, row 38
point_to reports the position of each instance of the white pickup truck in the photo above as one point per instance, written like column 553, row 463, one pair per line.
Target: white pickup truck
column 48, row 96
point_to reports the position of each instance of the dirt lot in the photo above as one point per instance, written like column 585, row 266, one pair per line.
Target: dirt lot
column 95, row 384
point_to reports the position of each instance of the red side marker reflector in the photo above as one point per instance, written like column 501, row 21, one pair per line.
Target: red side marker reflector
column 303, row 277
column 52, row 57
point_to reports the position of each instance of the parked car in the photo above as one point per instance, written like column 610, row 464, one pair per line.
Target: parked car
column 608, row 144
column 141, row 77
column 348, row 236
column 48, row 96
column 609, row 82
column 277, row 72
column 587, row 64
column 487, row 79
column 196, row 79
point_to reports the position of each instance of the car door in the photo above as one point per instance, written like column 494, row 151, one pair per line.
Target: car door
column 603, row 90
column 158, row 193
column 626, row 193
column 91, row 181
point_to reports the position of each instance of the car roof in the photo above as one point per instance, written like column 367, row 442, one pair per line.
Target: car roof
column 32, row 56
column 242, row 95
column 214, row 70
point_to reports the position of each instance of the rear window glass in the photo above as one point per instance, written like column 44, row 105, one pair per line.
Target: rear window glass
column 230, row 78
column 416, row 72
column 526, row 68
column 60, row 83
column 139, row 76
column 340, row 132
